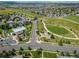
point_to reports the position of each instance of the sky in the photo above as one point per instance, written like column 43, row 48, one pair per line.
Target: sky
column 39, row 0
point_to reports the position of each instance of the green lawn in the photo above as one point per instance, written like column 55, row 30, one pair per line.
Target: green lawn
column 74, row 18
column 60, row 21
column 57, row 30
column 49, row 55
column 36, row 54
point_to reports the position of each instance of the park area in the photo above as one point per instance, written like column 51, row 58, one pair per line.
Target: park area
column 61, row 27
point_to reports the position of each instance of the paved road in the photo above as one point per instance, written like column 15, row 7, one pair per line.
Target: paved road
column 43, row 45
column 34, row 35
column 34, row 44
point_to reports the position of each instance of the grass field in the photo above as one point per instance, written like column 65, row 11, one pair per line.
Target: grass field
column 57, row 30
column 70, row 25
column 43, row 54
column 36, row 54
column 74, row 18
column 49, row 55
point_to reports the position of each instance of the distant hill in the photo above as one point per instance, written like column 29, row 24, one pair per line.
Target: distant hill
column 37, row 2
column 58, row 3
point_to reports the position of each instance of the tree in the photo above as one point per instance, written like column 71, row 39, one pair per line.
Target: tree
column 29, row 48
column 39, row 50
column 5, row 26
column 16, row 19
column 21, row 50
column 38, row 32
column 0, row 31
column 13, row 52
column 76, row 55
column 48, row 33
column 35, row 18
column 1, row 17
column 60, row 43
column 5, row 54
column 20, row 39
column 62, row 53
column 57, row 51
column 10, row 53
column 1, row 55
column 75, row 52
column 52, row 36
column 15, row 25
column 67, row 42
column 67, row 54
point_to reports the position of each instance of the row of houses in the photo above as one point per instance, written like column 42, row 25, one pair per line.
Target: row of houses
column 18, row 30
